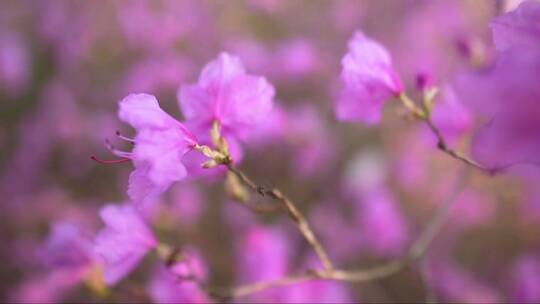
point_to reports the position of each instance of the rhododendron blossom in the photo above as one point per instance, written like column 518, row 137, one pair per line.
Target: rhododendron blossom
column 124, row 241
column 369, row 80
column 507, row 97
column 178, row 283
column 518, row 27
column 451, row 116
column 160, row 144
column 68, row 247
column 226, row 94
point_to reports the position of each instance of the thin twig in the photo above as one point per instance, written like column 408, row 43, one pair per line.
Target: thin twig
column 443, row 146
column 424, row 114
column 258, row 207
column 416, row 252
column 293, row 212
column 329, row 274
column 419, row 247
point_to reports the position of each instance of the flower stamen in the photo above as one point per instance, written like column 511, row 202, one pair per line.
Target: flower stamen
column 110, row 162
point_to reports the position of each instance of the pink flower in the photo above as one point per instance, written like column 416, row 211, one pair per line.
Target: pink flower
column 165, row 287
column 156, row 73
column 68, row 247
column 507, row 95
column 526, row 279
column 225, row 93
column 152, row 27
column 263, row 254
column 160, row 144
column 369, row 80
column 382, row 223
column 124, row 241
column 176, row 285
column 450, row 116
column 336, row 231
column 15, row 64
column 507, row 98
column 319, row 291
column 453, row 283
column 519, row 27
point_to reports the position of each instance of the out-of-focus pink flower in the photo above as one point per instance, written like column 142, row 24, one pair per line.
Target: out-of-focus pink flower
column 262, row 254
column 276, row 127
column 369, row 80
column 526, row 280
column 450, row 116
column 157, row 26
column 187, row 203
column 71, row 30
column 303, row 130
column 472, row 208
column 238, row 218
column 69, row 255
column 165, row 287
column 431, row 50
column 15, row 64
column 191, row 266
column 412, row 164
column 160, row 144
column 313, row 143
column 518, row 27
column 124, row 241
column 453, row 283
column 382, row 226
column 316, row 291
column 298, row 57
column 68, row 247
column 347, row 15
column 50, row 288
column 179, row 283
column 157, row 73
column 227, row 94
column 337, row 232
column 507, row 97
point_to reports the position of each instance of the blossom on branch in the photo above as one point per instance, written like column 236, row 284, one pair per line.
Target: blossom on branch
column 225, row 93
column 369, row 80
column 124, row 241
column 160, row 144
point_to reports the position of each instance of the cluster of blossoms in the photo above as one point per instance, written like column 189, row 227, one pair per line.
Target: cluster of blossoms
column 229, row 116
column 224, row 96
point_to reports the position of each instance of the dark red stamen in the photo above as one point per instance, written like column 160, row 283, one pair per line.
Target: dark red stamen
column 110, row 162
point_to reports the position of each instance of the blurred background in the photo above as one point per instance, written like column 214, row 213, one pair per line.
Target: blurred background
column 368, row 191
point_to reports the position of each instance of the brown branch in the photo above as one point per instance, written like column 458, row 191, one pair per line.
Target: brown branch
column 327, row 274
column 258, row 207
column 424, row 114
column 420, row 246
column 443, row 146
column 293, row 212
column 416, row 251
